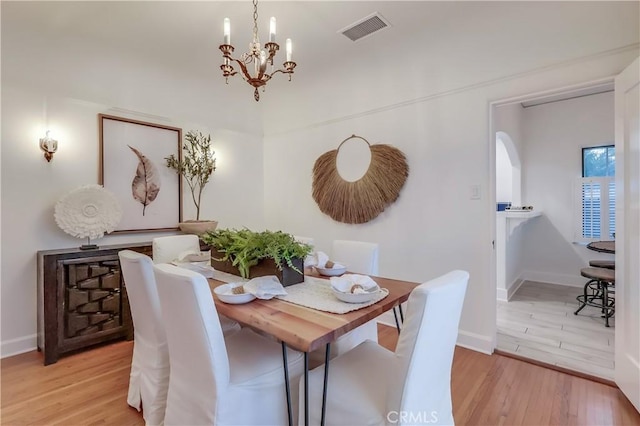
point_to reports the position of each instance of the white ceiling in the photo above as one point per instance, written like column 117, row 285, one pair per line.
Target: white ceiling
column 182, row 34
column 441, row 38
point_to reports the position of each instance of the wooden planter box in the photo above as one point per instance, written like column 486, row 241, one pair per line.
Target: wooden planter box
column 287, row 276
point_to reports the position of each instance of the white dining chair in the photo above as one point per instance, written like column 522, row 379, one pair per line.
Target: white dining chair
column 371, row 385
column 169, row 248
column 237, row 380
column 361, row 258
column 149, row 377
column 305, row 240
column 310, row 241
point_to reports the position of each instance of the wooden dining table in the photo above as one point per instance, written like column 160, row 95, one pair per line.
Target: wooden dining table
column 306, row 329
column 602, row 246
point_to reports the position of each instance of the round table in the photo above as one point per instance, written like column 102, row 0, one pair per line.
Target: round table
column 602, row 246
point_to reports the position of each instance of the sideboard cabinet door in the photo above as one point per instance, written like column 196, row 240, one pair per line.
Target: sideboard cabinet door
column 82, row 299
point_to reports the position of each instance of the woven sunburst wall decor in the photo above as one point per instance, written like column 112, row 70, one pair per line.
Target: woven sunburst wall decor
column 364, row 199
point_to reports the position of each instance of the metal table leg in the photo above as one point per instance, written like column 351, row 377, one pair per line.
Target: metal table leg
column 605, row 302
column 395, row 315
column 326, row 381
column 306, row 389
column 401, row 314
column 286, row 382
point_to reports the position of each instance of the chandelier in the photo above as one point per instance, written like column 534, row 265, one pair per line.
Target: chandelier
column 253, row 63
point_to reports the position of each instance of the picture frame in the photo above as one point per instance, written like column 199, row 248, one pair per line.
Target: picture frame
column 132, row 167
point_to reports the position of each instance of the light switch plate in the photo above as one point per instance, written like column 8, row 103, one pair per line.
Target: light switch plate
column 475, row 192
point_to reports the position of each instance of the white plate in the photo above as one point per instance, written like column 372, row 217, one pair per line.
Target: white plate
column 224, row 293
column 357, row 297
column 332, row 272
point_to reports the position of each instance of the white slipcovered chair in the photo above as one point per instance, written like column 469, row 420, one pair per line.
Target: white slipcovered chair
column 360, row 258
column 169, row 248
column 149, row 378
column 237, row 380
column 305, row 240
column 371, row 385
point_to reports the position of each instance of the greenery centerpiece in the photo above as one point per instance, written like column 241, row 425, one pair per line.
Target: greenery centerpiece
column 196, row 166
column 254, row 254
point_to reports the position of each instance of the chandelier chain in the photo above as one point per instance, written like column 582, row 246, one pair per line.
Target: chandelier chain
column 255, row 20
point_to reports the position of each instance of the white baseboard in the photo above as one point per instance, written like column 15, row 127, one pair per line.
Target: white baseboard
column 554, row 278
column 18, row 346
column 466, row 339
column 475, row 342
column 505, row 295
column 514, row 287
column 502, row 294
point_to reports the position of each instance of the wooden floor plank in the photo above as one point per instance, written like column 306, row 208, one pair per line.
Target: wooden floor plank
column 90, row 388
column 86, row 368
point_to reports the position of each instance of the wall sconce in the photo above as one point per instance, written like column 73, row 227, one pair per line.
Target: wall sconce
column 49, row 146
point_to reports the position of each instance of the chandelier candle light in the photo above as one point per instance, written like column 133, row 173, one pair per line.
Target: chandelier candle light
column 260, row 58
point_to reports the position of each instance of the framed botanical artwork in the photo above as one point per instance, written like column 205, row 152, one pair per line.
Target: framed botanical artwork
column 132, row 166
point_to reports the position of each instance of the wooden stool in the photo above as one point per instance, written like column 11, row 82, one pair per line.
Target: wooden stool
column 608, row 264
column 596, row 291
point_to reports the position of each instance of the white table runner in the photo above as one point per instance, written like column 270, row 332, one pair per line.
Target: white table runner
column 314, row 293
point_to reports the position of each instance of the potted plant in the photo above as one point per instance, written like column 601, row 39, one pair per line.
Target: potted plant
column 253, row 254
column 196, row 166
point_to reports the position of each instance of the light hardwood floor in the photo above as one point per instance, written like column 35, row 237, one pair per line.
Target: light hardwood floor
column 538, row 323
column 90, row 388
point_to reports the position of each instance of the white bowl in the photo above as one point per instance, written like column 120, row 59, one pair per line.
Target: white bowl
column 332, row 272
column 224, row 293
column 357, row 297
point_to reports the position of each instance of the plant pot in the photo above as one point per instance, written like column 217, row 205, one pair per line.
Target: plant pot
column 198, row 227
column 287, row 276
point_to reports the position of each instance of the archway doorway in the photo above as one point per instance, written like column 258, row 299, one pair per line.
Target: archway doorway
column 508, row 171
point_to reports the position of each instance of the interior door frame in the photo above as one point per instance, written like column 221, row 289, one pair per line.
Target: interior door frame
column 492, row 166
column 627, row 370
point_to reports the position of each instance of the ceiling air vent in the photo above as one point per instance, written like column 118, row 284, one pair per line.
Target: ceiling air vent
column 364, row 27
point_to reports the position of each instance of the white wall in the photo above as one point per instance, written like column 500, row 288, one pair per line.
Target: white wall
column 508, row 125
column 434, row 226
column 31, row 187
column 435, row 108
column 555, row 134
column 510, row 243
column 61, row 80
column 504, row 174
column 507, row 120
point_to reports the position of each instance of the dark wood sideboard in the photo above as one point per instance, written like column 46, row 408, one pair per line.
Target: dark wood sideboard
column 82, row 300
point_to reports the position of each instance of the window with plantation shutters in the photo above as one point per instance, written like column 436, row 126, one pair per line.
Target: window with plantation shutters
column 596, row 195
column 596, row 205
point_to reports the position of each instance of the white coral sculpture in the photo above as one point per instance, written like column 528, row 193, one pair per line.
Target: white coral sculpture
column 89, row 211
